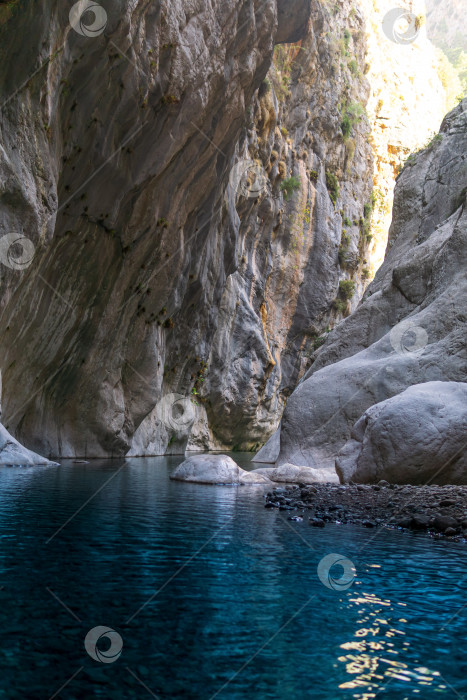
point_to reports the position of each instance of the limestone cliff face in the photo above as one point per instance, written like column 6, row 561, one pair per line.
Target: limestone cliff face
column 150, row 280
column 406, row 105
column 307, row 123
column 283, row 293
column 409, row 330
column 447, row 23
column 116, row 151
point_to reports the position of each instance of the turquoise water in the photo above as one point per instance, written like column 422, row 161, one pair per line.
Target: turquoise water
column 213, row 595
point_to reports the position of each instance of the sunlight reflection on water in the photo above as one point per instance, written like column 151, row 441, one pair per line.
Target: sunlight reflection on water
column 233, row 617
column 370, row 669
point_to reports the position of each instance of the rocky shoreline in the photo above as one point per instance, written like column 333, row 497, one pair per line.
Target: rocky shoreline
column 439, row 511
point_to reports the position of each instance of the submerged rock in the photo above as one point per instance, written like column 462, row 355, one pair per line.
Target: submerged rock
column 215, row 469
column 316, row 522
column 12, row 453
column 416, row 437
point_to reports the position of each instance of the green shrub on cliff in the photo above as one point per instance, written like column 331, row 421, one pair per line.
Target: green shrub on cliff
column 289, row 186
column 350, row 116
column 346, row 289
column 332, row 183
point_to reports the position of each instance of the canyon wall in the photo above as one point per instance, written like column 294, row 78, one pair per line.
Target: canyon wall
column 177, row 212
column 408, row 332
column 116, row 151
column 343, row 108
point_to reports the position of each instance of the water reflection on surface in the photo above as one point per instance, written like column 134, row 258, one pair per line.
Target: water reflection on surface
column 214, row 595
column 381, row 636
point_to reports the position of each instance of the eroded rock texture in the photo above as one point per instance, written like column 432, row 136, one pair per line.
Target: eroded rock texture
column 114, row 162
column 416, row 437
column 411, row 325
column 147, row 272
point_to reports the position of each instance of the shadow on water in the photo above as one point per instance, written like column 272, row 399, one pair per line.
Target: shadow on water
column 212, row 594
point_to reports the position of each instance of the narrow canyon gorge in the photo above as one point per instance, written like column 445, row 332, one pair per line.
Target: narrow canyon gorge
column 233, row 358
column 201, row 196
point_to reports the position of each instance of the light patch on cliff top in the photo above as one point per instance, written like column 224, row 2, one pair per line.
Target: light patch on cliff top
column 407, row 103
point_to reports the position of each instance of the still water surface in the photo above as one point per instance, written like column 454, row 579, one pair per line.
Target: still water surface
column 213, row 595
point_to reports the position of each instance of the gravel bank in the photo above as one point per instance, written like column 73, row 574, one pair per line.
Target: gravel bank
column 440, row 511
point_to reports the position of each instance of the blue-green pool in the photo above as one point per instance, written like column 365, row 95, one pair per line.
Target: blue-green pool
column 212, row 595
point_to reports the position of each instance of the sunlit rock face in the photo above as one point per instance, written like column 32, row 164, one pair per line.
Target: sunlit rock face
column 136, row 264
column 407, row 100
column 411, row 325
column 447, row 23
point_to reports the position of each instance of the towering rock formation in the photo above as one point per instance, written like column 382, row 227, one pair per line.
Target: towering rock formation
column 118, row 130
column 409, row 330
column 175, row 221
column 308, row 126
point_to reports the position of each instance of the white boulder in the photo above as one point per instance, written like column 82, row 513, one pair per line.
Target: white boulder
column 12, row 453
column 416, row 437
column 215, row 469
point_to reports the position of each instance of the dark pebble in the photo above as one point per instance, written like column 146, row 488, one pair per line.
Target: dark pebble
column 405, row 522
column 316, row 522
column 368, row 523
column 420, row 522
column 442, row 522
